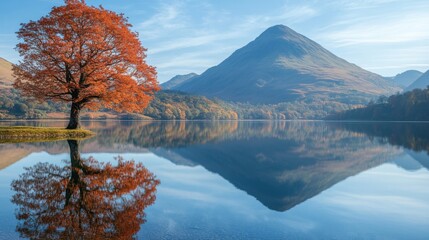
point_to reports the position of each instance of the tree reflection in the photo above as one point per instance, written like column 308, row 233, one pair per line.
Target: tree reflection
column 410, row 135
column 85, row 199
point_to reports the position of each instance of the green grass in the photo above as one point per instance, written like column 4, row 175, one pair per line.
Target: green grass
column 18, row 134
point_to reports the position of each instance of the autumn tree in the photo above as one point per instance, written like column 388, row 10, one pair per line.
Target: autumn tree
column 84, row 199
column 86, row 56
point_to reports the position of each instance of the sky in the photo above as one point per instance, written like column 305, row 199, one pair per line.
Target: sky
column 383, row 36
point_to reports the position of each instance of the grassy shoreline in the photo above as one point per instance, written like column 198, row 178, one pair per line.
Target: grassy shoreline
column 17, row 134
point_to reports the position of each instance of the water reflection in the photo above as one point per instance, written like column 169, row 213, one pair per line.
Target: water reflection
column 412, row 136
column 283, row 164
column 279, row 163
column 84, row 199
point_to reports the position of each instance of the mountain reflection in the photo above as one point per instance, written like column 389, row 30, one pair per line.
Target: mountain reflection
column 283, row 164
column 84, row 199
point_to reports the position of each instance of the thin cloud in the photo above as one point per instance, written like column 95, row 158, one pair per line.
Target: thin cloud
column 195, row 41
column 168, row 17
column 400, row 29
column 190, row 59
column 288, row 14
column 361, row 4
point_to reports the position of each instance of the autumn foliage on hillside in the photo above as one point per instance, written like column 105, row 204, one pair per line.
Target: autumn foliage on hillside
column 408, row 106
column 87, row 56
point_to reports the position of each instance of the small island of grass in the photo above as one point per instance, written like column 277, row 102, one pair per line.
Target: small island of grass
column 16, row 134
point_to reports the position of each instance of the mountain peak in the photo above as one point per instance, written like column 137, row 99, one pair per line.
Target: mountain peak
column 177, row 80
column 279, row 31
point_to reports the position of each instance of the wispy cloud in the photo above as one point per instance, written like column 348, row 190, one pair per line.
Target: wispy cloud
column 362, row 4
column 168, row 17
column 195, row 41
column 188, row 59
column 407, row 28
column 288, row 14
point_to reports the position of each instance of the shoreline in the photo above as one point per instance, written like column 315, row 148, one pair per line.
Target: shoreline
column 18, row 134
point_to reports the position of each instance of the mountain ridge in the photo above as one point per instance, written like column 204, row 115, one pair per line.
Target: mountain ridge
column 422, row 82
column 406, row 78
column 177, row 80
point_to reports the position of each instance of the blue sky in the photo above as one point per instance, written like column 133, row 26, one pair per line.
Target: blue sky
column 383, row 36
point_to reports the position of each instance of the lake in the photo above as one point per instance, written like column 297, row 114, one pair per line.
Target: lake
column 220, row 180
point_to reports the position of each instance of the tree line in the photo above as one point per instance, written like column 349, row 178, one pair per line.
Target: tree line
column 408, row 106
column 172, row 105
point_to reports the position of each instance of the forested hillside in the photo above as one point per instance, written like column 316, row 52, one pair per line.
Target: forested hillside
column 176, row 105
column 165, row 105
column 409, row 106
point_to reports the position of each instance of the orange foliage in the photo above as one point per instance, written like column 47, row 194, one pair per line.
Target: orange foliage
column 84, row 200
column 85, row 55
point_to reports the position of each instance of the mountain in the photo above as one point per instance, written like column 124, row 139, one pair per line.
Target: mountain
column 177, row 81
column 422, row 82
column 406, row 78
column 6, row 78
column 282, row 65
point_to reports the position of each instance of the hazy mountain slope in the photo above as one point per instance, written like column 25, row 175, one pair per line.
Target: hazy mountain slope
column 283, row 65
column 422, row 82
column 406, row 78
column 177, row 80
column 6, row 78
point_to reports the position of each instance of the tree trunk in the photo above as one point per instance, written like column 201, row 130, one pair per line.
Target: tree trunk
column 76, row 164
column 74, row 121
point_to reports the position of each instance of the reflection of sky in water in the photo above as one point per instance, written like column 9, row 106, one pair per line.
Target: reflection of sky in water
column 384, row 202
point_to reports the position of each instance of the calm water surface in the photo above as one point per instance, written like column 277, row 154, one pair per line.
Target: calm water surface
column 220, row 180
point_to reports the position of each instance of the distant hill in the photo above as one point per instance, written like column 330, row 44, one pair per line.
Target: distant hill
column 422, row 82
column 406, row 78
column 178, row 80
column 282, row 65
column 6, row 79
